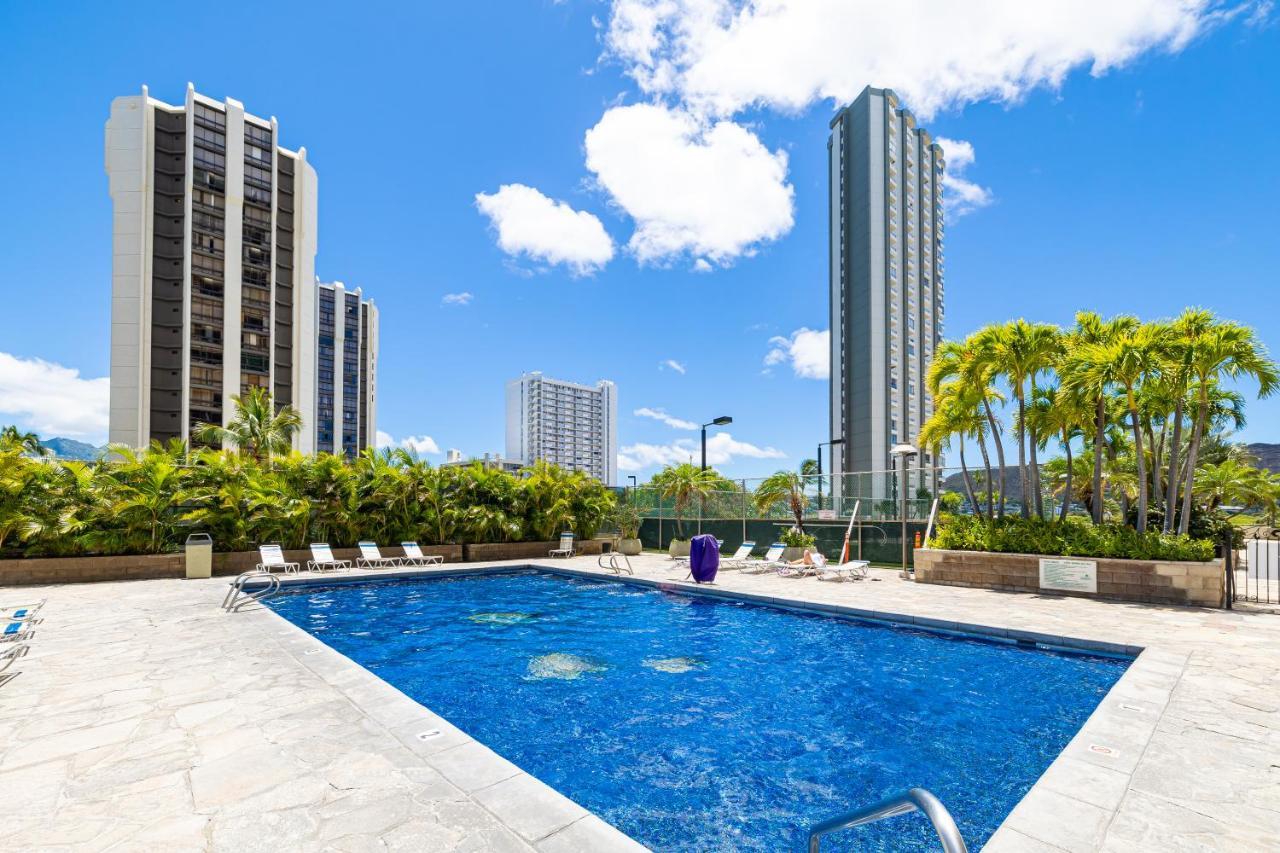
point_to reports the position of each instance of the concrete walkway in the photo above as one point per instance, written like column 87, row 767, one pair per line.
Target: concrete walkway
column 144, row 718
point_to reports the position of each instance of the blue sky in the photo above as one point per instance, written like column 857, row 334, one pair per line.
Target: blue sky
column 1122, row 163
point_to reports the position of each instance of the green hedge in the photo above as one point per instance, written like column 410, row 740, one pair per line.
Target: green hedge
column 1070, row 538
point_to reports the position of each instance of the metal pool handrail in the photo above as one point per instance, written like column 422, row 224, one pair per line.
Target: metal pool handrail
column 899, row 804
column 237, row 597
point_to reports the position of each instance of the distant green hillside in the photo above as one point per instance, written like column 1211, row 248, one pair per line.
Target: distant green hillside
column 1268, row 456
column 69, row 448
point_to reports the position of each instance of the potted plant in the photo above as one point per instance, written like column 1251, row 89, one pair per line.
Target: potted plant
column 627, row 518
column 796, row 541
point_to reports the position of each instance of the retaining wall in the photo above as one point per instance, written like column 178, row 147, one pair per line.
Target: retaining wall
column 1147, row 581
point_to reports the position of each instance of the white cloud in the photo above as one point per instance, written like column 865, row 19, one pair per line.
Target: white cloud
column 807, row 351
column 528, row 223
column 722, row 448
column 463, row 298
column 419, row 444
column 961, row 196
column 672, row 364
column 661, row 415
column 52, row 400
column 709, row 189
column 722, row 56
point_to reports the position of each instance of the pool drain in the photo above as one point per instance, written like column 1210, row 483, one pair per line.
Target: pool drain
column 429, row 734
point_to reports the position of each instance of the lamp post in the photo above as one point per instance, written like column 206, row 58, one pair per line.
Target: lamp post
column 904, row 452
column 832, row 443
column 632, row 478
column 720, row 421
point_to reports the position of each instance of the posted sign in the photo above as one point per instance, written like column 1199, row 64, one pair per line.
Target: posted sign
column 1069, row 575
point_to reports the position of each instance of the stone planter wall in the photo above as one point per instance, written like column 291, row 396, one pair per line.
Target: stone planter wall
column 526, row 550
column 1147, row 581
column 54, row 570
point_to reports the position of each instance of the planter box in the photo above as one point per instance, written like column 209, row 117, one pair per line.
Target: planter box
column 525, row 550
column 54, row 570
column 1147, row 581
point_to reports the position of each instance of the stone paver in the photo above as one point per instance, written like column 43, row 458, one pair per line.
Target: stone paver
column 145, row 718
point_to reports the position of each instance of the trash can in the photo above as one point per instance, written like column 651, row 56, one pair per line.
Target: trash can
column 199, row 555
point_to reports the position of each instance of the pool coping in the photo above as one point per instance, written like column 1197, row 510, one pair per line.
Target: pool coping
column 1068, row 807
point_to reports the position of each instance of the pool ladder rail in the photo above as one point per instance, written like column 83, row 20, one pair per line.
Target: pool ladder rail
column 238, row 597
column 916, row 799
column 610, row 561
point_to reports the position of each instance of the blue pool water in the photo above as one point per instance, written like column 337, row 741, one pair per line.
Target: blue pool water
column 700, row 724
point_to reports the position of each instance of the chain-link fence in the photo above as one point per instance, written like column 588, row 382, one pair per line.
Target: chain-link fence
column 869, row 507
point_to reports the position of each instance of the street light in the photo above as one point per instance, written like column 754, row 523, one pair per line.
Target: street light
column 832, row 443
column 632, row 478
column 904, row 452
column 720, row 421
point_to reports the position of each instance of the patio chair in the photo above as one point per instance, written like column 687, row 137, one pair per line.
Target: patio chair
column 566, row 547
column 772, row 560
column 802, row 569
column 272, row 558
column 22, row 613
column 371, row 558
column 16, row 632
column 322, row 558
column 413, row 556
column 8, row 657
column 741, row 558
column 854, row 570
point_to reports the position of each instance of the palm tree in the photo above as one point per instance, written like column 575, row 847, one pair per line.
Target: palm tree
column 1224, row 350
column 683, row 484
column 256, row 428
column 1021, row 352
column 965, row 363
column 1081, row 372
column 956, row 413
column 787, row 487
column 27, row 442
column 1058, row 411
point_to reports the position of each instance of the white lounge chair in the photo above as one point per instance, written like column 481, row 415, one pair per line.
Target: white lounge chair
column 371, row 558
column 322, row 558
column 272, row 558
column 772, row 559
column 854, row 570
column 413, row 556
column 740, row 558
column 16, row 632
column 566, row 547
column 801, row 569
column 21, row 612
column 10, row 655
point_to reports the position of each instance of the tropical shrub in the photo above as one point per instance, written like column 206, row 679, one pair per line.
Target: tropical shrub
column 794, row 537
column 143, row 502
column 1073, row 537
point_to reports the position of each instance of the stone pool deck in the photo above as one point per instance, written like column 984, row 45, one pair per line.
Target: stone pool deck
column 145, row 718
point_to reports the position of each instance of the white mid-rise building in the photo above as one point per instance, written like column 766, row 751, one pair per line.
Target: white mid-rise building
column 213, row 267
column 571, row 425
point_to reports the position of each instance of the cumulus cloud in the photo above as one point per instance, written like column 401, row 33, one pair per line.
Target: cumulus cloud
column 961, row 196
column 806, row 350
column 419, row 444
column 543, row 229
column 707, row 189
column 463, row 298
column 661, row 415
column 52, row 400
column 672, row 364
column 722, row 448
column 723, row 56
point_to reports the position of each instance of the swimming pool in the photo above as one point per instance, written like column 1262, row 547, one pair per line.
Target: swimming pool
column 694, row 723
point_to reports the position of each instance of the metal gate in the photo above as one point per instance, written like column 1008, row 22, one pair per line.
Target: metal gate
column 1254, row 573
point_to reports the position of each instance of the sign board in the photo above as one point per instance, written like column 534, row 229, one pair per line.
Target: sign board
column 1069, row 575
column 826, row 515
